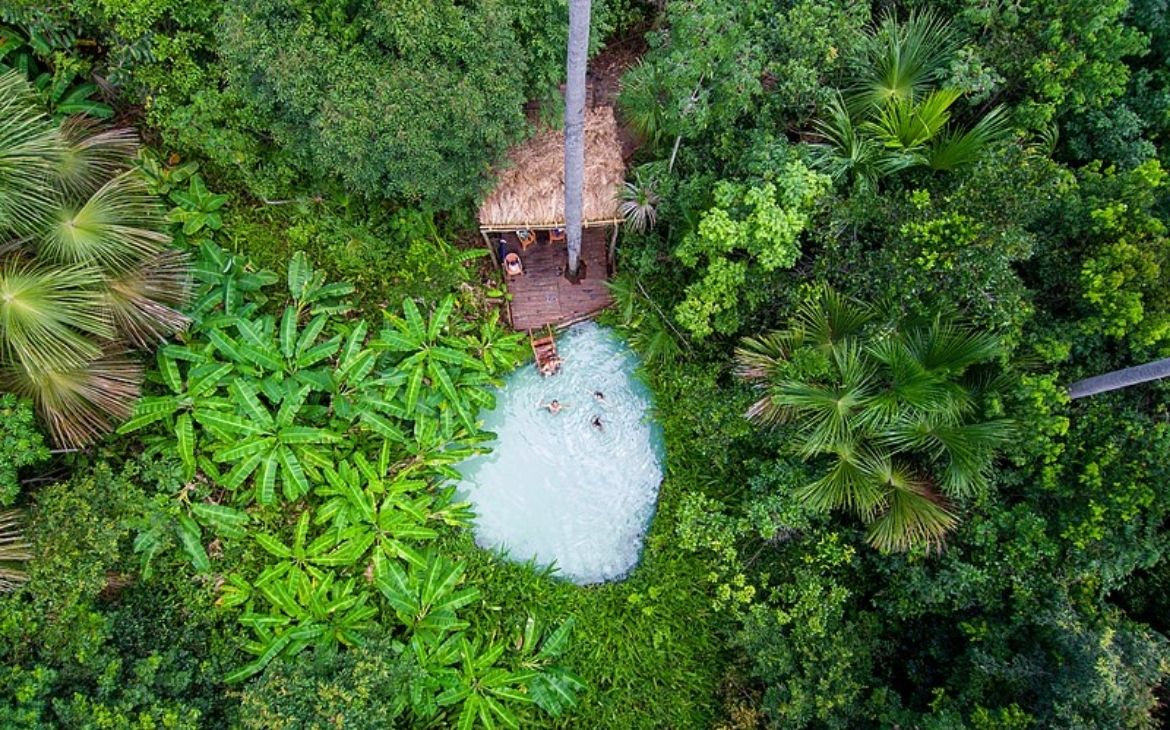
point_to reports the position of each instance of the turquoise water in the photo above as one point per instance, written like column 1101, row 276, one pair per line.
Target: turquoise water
column 555, row 488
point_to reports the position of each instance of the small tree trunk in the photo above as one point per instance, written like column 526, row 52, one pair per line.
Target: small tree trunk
column 1120, row 379
column 578, row 53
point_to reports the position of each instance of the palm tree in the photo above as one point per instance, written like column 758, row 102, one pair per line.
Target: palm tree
column 892, row 118
column 889, row 409
column 85, row 273
column 579, row 13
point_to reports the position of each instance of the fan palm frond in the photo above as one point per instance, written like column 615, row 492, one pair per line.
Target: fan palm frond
column 643, row 99
column 913, row 517
column 144, row 302
column 825, row 413
column 828, row 319
column 81, row 404
column 955, row 147
column 47, row 313
column 967, row 450
column 93, row 156
column 118, row 228
column 14, row 549
column 908, row 126
column 906, row 57
column 639, row 205
column 758, row 358
column 30, row 151
column 946, row 347
column 846, row 485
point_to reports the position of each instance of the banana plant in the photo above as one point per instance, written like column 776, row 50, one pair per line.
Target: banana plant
column 302, row 559
column 426, row 596
column 228, row 282
column 310, row 292
column 192, row 376
column 273, row 448
column 554, row 689
column 301, row 613
column 368, row 512
column 484, row 689
column 430, row 359
column 196, row 208
column 498, row 349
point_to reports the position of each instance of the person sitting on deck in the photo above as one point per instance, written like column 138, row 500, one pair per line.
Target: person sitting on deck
column 513, row 265
column 554, row 406
column 556, row 235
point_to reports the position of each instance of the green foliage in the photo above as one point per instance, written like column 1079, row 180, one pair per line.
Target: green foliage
column 748, row 232
column 895, row 118
column 85, row 273
column 62, row 84
column 812, row 652
column 21, row 445
column 890, row 407
column 291, row 405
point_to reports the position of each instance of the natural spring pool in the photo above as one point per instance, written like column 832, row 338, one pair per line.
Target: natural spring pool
column 557, row 490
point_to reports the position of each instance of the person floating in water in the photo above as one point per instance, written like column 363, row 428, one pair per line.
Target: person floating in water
column 599, row 396
column 554, row 406
column 597, row 423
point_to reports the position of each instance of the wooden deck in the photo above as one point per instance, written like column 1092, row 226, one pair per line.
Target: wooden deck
column 543, row 296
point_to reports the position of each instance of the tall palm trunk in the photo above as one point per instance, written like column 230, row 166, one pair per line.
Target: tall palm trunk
column 1120, row 379
column 575, row 129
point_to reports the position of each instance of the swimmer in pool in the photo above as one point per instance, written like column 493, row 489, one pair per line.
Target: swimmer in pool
column 597, row 423
column 599, row 396
column 554, row 406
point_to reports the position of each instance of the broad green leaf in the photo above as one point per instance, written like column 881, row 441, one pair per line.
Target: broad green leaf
column 440, row 316
column 272, row 546
column 413, row 388
column 291, row 470
column 185, row 434
column 557, row 640
column 240, row 473
column 227, row 422
column 307, row 435
column 191, row 538
column 169, row 371
column 316, row 354
column 245, row 395
column 266, row 359
column 204, row 378
column 395, row 342
column 266, row 480
column 288, row 332
column 414, row 320
column 299, row 274
column 291, row 406
column 149, row 410
column 383, row 427
column 310, row 334
column 225, row 520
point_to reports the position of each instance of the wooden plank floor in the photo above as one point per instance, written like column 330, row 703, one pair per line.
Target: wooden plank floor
column 543, row 296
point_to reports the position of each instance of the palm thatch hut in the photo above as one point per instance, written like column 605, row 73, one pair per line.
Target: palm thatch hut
column 523, row 219
column 530, row 192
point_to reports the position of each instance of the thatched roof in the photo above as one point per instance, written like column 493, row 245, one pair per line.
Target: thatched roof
column 530, row 192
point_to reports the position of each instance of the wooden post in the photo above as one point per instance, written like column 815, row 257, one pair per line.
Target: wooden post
column 613, row 249
column 491, row 248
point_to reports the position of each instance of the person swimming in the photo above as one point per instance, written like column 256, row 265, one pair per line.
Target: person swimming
column 596, row 422
column 554, row 406
column 599, row 396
